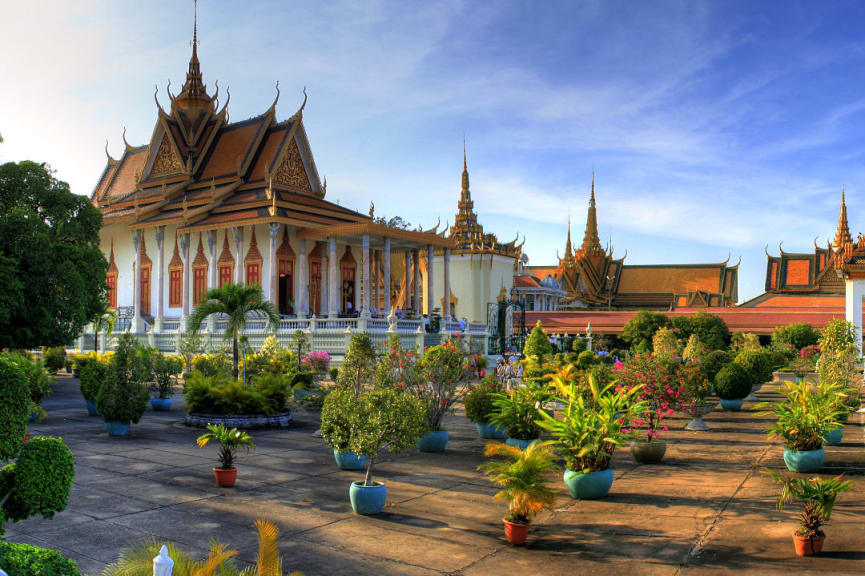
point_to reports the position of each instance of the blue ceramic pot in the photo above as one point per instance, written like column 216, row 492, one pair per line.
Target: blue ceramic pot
column 807, row 461
column 800, row 379
column 589, row 486
column 117, row 428
column 521, row 444
column 367, row 500
column 91, row 408
column 433, row 441
column 300, row 394
column 834, row 437
column 349, row 460
column 161, row 404
column 33, row 416
column 732, row 405
column 490, row 431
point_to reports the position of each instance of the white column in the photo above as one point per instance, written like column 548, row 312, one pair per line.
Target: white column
column 447, row 287
column 365, row 279
column 302, row 281
column 136, row 286
column 160, row 279
column 387, row 283
column 375, row 280
column 213, row 276
column 332, row 279
column 187, row 281
column 854, row 291
column 273, row 230
column 407, row 282
column 415, row 288
column 430, row 288
column 238, row 261
column 323, row 281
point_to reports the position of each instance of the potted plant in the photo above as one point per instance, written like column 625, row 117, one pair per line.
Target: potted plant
column 443, row 370
column 122, row 397
column 91, row 377
column 588, row 432
column 302, row 383
column 480, row 407
column 818, row 496
column 230, row 440
column 732, row 385
column 524, row 478
column 839, row 381
column 801, row 421
column 517, row 412
column 380, row 417
column 661, row 379
column 758, row 364
column 165, row 372
column 336, row 428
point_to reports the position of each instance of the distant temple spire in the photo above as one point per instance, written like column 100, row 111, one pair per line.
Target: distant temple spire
column 569, row 250
column 194, row 88
column 842, row 235
column 591, row 241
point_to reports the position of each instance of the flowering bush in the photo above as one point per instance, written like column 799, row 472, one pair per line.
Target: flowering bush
column 479, row 402
column 317, row 362
column 397, row 367
column 810, row 352
column 662, row 390
column 443, row 369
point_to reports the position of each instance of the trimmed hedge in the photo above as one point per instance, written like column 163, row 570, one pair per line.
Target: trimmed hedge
column 26, row 560
column 40, row 480
column 14, row 408
column 757, row 363
column 732, row 382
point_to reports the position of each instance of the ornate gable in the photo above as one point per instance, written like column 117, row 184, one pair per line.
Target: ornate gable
column 176, row 261
column 291, row 173
column 167, row 161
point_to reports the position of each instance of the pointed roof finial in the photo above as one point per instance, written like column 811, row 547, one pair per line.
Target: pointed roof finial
column 591, row 241
column 569, row 250
column 195, row 29
column 842, row 235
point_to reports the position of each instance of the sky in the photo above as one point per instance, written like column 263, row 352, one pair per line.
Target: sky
column 713, row 129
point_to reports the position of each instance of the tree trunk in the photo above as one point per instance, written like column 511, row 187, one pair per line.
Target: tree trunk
column 368, row 479
column 235, row 353
column 96, row 341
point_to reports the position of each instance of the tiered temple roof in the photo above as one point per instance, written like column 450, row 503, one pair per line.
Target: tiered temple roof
column 468, row 234
column 808, row 279
column 594, row 278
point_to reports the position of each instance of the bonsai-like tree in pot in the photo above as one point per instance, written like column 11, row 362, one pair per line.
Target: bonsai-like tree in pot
column 123, row 396
column 818, row 497
column 230, row 441
column 524, row 478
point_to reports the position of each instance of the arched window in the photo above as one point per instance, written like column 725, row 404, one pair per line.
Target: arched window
column 144, row 279
column 225, row 264
column 175, row 279
column 199, row 275
column 285, row 278
column 348, row 269
column 252, row 264
column 111, row 279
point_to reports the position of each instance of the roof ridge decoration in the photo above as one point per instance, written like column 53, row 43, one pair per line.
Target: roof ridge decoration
column 842, row 235
column 591, row 241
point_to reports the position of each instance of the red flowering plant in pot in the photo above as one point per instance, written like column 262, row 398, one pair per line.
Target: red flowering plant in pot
column 662, row 389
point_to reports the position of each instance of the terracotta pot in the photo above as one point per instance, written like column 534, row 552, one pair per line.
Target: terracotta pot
column 648, row 452
column 516, row 533
column 808, row 546
column 225, row 478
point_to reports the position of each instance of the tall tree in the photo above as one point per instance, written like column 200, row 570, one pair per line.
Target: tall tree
column 237, row 302
column 52, row 272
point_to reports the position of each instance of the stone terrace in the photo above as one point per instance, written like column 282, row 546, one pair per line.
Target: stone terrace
column 706, row 510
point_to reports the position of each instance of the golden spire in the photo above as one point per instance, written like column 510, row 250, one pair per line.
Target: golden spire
column 842, row 235
column 569, row 250
column 591, row 241
column 194, row 89
column 465, row 196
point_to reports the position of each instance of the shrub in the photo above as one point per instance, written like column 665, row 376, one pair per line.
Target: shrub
column 837, row 335
column 516, row 411
column 316, row 361
column 40, row 479
column 640, row 329
column 479, row 402
column 212, row 364
column 803, row 418
column 334, row 373
column 92, row 376
column 694, row 349
column 665, row 344
column 223, row 396
column 758, row 365
column 586, row 359
column 358, row 369
column 302, row 381
column 165, row 372
column 335, row 425
column 732, row 382
column 712, row 363
column 54, row 359
column 26, row 560
column 524, row 476
column 38, row 379
column 14, row 408
column 123, row 396
column 578, row 345
column 398, row 367
column 443, row 370
column 798, row 335
column 538, row 343
column 709, row 329
column 781, row 354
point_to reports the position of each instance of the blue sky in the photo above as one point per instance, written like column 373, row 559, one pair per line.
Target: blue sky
column 713, row 128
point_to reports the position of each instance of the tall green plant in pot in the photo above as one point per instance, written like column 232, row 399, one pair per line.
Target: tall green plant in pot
column 443, row 371
column 230, row 441
column 166, row 369
column 524, row 478
column 480, row 408
column 336, row 427
column 818, row 497
column 516, row 412
column 123, row 396
column 380, row 417
column 588, row 434
column 732, row 385
column 93, row 375
column 801, row 421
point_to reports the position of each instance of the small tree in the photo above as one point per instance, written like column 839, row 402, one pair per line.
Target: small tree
column 837, row 335
column 694, row 349
column 384, row 417
column 640, row 329
column 798, row 335
column 538, row 343
column 358, row 369
column 443, row 369
column 710, row 329
column 665, row 344
column 123, row 396
column 14, row 408
column 105, row 319
column 237, row 302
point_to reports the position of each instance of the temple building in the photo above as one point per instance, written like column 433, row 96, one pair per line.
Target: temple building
column 806, row 280
column 208, row 202
column 481, row 267
column 590, row 277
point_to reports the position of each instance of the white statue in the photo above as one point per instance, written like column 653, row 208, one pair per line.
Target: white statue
column 163, row 563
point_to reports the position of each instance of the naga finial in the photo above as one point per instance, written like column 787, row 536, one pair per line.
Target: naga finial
column 110, row 159
column 227, row 100
column 128, row 147
column 156, row 98
column 275, row 100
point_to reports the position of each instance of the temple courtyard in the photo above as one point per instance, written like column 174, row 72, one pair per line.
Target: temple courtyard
column 707, row 509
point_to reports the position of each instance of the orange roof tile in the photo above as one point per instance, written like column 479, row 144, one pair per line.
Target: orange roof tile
column 268, row 152
column 669, row 279
column 231, row 143
column 127, row 175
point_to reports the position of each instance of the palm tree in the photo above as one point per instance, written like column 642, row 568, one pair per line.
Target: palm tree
column 105, row 320
column 523, row 476
column 236, row 301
